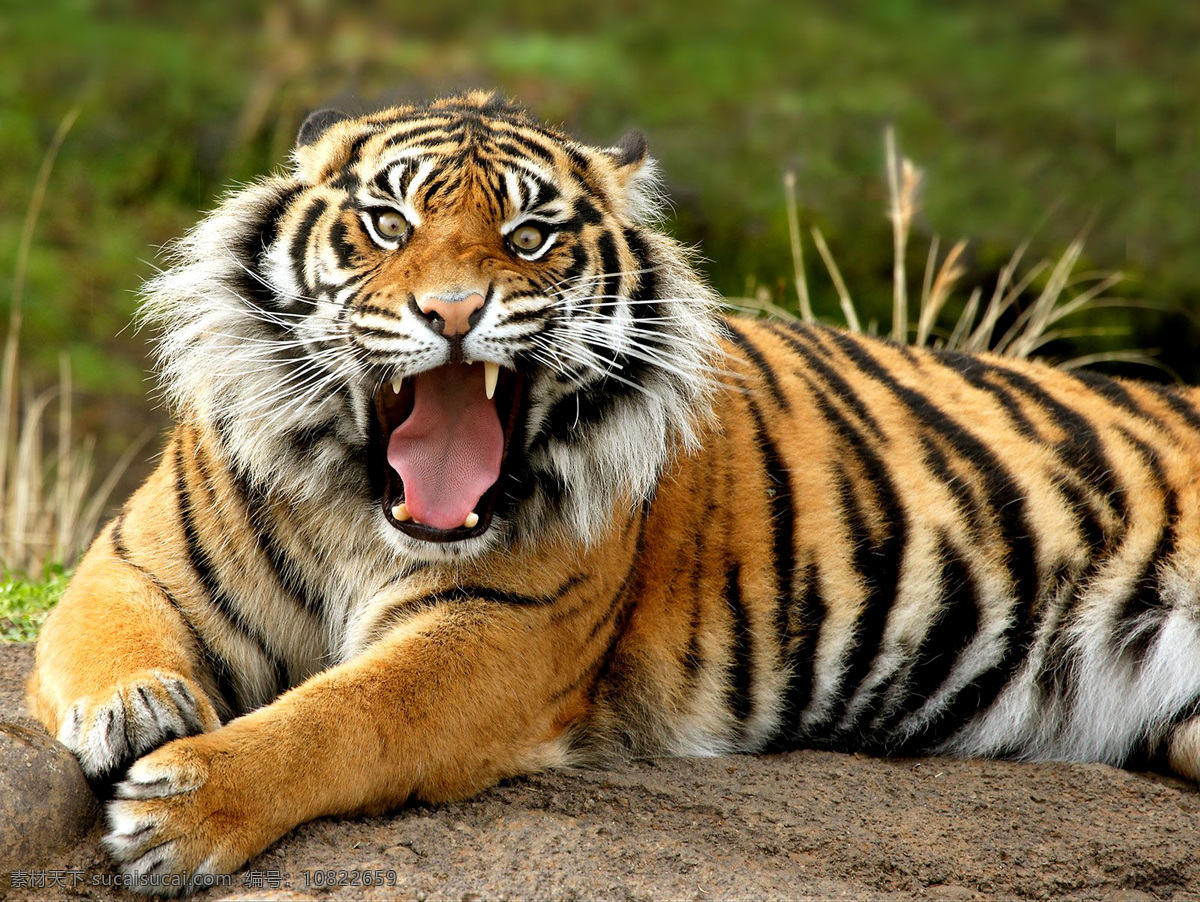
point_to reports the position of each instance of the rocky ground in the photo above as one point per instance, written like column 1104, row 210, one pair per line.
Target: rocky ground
column 806, row 825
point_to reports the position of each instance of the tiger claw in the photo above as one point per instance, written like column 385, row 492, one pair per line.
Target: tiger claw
column 141, row 713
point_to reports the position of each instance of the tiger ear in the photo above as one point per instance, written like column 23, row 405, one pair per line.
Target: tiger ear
column 312, row 159
column 317, row 124
column 629, row 154
column 636, row 176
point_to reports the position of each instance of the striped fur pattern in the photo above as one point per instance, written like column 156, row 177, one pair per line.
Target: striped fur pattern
column 714, row 535
column 280, row 317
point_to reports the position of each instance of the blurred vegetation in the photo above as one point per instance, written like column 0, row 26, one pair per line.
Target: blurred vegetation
column 25, row 603
column 1032, row 120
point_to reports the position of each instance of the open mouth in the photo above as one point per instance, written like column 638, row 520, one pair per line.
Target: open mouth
column 446, row 435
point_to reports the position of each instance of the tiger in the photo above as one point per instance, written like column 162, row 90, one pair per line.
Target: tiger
column 473, row 475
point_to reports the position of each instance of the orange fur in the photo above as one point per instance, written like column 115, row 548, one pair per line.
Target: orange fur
column 857, row 527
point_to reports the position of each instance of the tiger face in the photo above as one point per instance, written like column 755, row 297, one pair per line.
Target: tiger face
column 451, row 312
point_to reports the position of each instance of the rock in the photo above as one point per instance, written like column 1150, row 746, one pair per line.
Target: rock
column 45, row 801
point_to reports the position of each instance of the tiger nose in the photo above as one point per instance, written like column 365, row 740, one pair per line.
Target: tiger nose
column 451, row 316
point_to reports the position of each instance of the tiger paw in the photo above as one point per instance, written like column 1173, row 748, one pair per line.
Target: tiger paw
column 181, row 817
column 109, row 732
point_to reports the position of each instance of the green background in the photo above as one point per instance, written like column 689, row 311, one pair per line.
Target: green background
column 1031, row 119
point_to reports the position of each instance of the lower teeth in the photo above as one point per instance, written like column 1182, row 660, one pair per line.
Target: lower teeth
column 400, row 514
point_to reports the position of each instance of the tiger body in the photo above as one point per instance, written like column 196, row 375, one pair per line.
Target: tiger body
column 707, row 534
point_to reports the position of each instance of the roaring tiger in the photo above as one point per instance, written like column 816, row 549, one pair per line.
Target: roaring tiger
column 472, row 478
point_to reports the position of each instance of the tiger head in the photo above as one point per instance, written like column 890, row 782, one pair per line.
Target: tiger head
column 452, row 312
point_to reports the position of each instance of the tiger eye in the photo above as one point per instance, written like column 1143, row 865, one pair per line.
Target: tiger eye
column 391, row 225
column 527, row 238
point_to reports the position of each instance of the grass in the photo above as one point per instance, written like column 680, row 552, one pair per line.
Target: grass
column 50, row 504
column 1022, row 317
column 25, row 602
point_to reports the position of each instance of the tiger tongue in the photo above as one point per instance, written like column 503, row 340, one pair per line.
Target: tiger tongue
column 448, row 451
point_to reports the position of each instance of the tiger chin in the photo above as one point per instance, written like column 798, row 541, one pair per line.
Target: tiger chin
column 472, row 478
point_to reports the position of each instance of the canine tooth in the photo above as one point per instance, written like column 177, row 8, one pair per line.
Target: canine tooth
column 471, row 521
column 491, row 373
column 396, row 383
column 400, row 512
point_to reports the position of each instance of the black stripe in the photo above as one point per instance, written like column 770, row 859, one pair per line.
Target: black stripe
column 287, row 571
column 808, row 620
column 1090, row 527
column 877, row 562
column 1178, row 403
column 442, row 131
column 384, row 312
column 343, row 249
column 1008, row 505
column 1002, row 492
column 974, row 371
column 1150, row 752
column 460, row 594
column 980, row 692
column 580, row 261
column 586, row 602
column 521, row 151
column 877, row 559
column 833, row 383
column 356, row 146
column 499, row 596
column 648, row 289
column 220, row 668
column 739, row 695
column 692, row 658
column 782, row 521
column 411, row 168
column 954, row 628
column 383, row 184
column 1113, row 392
column 622, row 593
column 605, row 662
column 547, row 191
column 1081, row 448
column 760, row 363
column 438, row 183
column 305, row 440
column 1145, row 609
column 610, row 266
column 346, row 182
column 573, row 414
column 524, row 316
column 586, row 213
column 1081, row 452
column 251, row 283
column 298, row 248
column 202, row 565
column 961, row 491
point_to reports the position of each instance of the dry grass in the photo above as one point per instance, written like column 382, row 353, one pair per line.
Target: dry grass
column 1029, row 326
column 49, row 506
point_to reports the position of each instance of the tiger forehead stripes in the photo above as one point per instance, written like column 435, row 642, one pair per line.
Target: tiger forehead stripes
column 471, row 478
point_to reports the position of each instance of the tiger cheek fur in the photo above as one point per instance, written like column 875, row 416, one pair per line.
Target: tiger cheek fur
column 471, row 479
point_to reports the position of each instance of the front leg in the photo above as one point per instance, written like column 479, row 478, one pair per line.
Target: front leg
column 118, row 670
column 445, row 705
